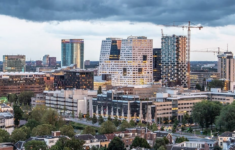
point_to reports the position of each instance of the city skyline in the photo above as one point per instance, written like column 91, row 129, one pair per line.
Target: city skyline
column 35, row 28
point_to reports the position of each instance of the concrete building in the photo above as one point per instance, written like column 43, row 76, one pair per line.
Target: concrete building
column 45, row 60
column 5, row 108
column 195, row 145
column 75, row 78
column 2, row 122
column 8, row 119
column 39, row 99
column 157, row 64
column 128, row 61
column 72, row 52
column 174, row 68
column 226, row 65
column 90, row 141
column 198, row 78
column 71, row 101
column 52, row 61
column 14, row 63
column 38, row 63
column 117, row 104
column 17, row 82
column 98, row 82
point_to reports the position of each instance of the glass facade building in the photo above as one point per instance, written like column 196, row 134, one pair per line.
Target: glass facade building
column 156, row 64
column 14, row 63
column 72, row 52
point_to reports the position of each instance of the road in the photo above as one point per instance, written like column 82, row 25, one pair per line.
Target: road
column 83, row 121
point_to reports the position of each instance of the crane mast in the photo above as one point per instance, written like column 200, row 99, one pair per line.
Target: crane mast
column 188, row 45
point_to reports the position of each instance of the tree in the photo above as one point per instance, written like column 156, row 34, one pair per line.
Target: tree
column 107, row 127
column 132, row 123
column 186, row 117
column 154, row 127
column 5, row 136
column 80, row 115
column 217, row 148
column 226, row 118
column 38, row 112
column 50, row 116
column 88, row 116
column 116, row 144
column 109, row 118
column 165, row 119
column 25, row 97
column 158, row 143
column 140, row 124
column 74, row 144
column 35, row 145
column 166, row 140
column 100, row 120
column 89, row 130
column 205, row 112
column 12, row 98
column 139, row 142
column 67, row 130
column 162, row 128
column 18, row 113
column 94, row 119
column 124, row 125
column 18, row 135
column 32, row 123
column 116, row 121
column 183, row 124
column 180, row 139
column 44, row 129
column 72, row 114
column 26, row 130
column 198, row 87
column 162, row 148
column 216, row 84
column 99, row 90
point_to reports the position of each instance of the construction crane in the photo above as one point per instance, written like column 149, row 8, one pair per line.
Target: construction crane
column 218, row 51
column 188, row 48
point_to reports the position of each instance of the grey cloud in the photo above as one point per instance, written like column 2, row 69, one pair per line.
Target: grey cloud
column 206, row 12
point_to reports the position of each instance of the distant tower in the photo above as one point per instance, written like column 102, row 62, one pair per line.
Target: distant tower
column 14, row 63
column 72, row 52
column 45, row 61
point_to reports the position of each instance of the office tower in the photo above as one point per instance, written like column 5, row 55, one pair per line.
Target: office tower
column 156, row 64
column 45, row 60
column 72, row 52
column 226, row 64
column 14, row 63
column 173, row 61
column 128, row 61
column 52, row 61
column 38, row 63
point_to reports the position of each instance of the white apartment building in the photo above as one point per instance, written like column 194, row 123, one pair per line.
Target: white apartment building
column 75, row 100
column 128, row 61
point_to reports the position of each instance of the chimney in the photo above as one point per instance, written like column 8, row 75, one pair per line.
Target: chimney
column 55, row 133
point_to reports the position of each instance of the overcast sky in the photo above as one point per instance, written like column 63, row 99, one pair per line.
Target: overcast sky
column 35, row 27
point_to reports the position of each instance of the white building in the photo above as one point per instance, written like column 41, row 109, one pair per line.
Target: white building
column 73, row 100
column 8, row 119
column 128, row 61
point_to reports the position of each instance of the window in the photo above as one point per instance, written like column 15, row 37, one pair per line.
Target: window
column 144, row 57
column 124, row 71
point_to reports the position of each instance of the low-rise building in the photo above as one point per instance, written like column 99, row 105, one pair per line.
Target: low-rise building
column 226, row 139
column 5, row 108
column 90, row 141
column 104, row 142
column 2, row 122
column 8, row 119
column 201, row 145
column 39, row 99
column 68, row 101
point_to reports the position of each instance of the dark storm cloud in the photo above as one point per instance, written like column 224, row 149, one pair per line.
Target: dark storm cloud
column 207, row 12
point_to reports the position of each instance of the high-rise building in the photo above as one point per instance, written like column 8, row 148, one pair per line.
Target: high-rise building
column 38, row 63
column 14, row 63
column 128, row 61
column 52, row 61
column 87, row 62
column 72, row 52
column 45, row 60
column 174, row 70
column 226, row 64
column 157, row 64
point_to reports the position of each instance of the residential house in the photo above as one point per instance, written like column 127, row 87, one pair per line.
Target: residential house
column 89, row 139
column 104, row 142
